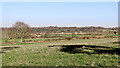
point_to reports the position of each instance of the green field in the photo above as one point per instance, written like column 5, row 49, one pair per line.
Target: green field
column 85, row 35
column 18, row 40
column 43, row 39
column 71, row 35
column 41, row 55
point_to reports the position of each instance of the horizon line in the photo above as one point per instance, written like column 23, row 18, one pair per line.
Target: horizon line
column 63, row 26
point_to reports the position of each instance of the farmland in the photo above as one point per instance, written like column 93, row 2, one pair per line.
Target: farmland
column 49, row 46
column 37, row 40
column 52, row 53
column 64, row 34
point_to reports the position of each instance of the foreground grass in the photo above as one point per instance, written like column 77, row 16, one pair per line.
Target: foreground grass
column 41, row 55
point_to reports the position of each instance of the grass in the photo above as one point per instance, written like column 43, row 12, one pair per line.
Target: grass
column 18, row 40
column 70, row 35
column 110, row 35
column 43, row 39
column 41, row 55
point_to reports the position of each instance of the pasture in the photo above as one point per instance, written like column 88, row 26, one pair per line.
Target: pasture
column 57, row 37
column 88, row 52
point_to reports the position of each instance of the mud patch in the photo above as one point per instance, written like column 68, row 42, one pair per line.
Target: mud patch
column 89, row 49
column 8, row 49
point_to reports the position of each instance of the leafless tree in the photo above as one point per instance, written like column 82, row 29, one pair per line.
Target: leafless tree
column 19, row 30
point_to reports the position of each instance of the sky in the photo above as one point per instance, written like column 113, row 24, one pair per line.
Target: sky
column 62, row 14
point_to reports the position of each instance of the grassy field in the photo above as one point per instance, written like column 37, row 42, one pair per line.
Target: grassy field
column 18, row 40
column 71, row 35
column 85, row 35
column 41, row 55
column 43, row 39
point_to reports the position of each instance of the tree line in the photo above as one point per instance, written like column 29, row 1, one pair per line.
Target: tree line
column 20, row 30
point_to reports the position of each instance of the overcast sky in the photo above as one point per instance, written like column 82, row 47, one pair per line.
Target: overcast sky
column 40, row 14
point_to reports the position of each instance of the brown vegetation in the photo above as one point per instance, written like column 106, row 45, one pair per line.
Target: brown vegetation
column 68, row 38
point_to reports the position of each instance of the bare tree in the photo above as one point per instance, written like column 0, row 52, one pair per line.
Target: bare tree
column 19, row 30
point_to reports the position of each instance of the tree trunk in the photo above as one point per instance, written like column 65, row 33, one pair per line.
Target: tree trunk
column 21, row 39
